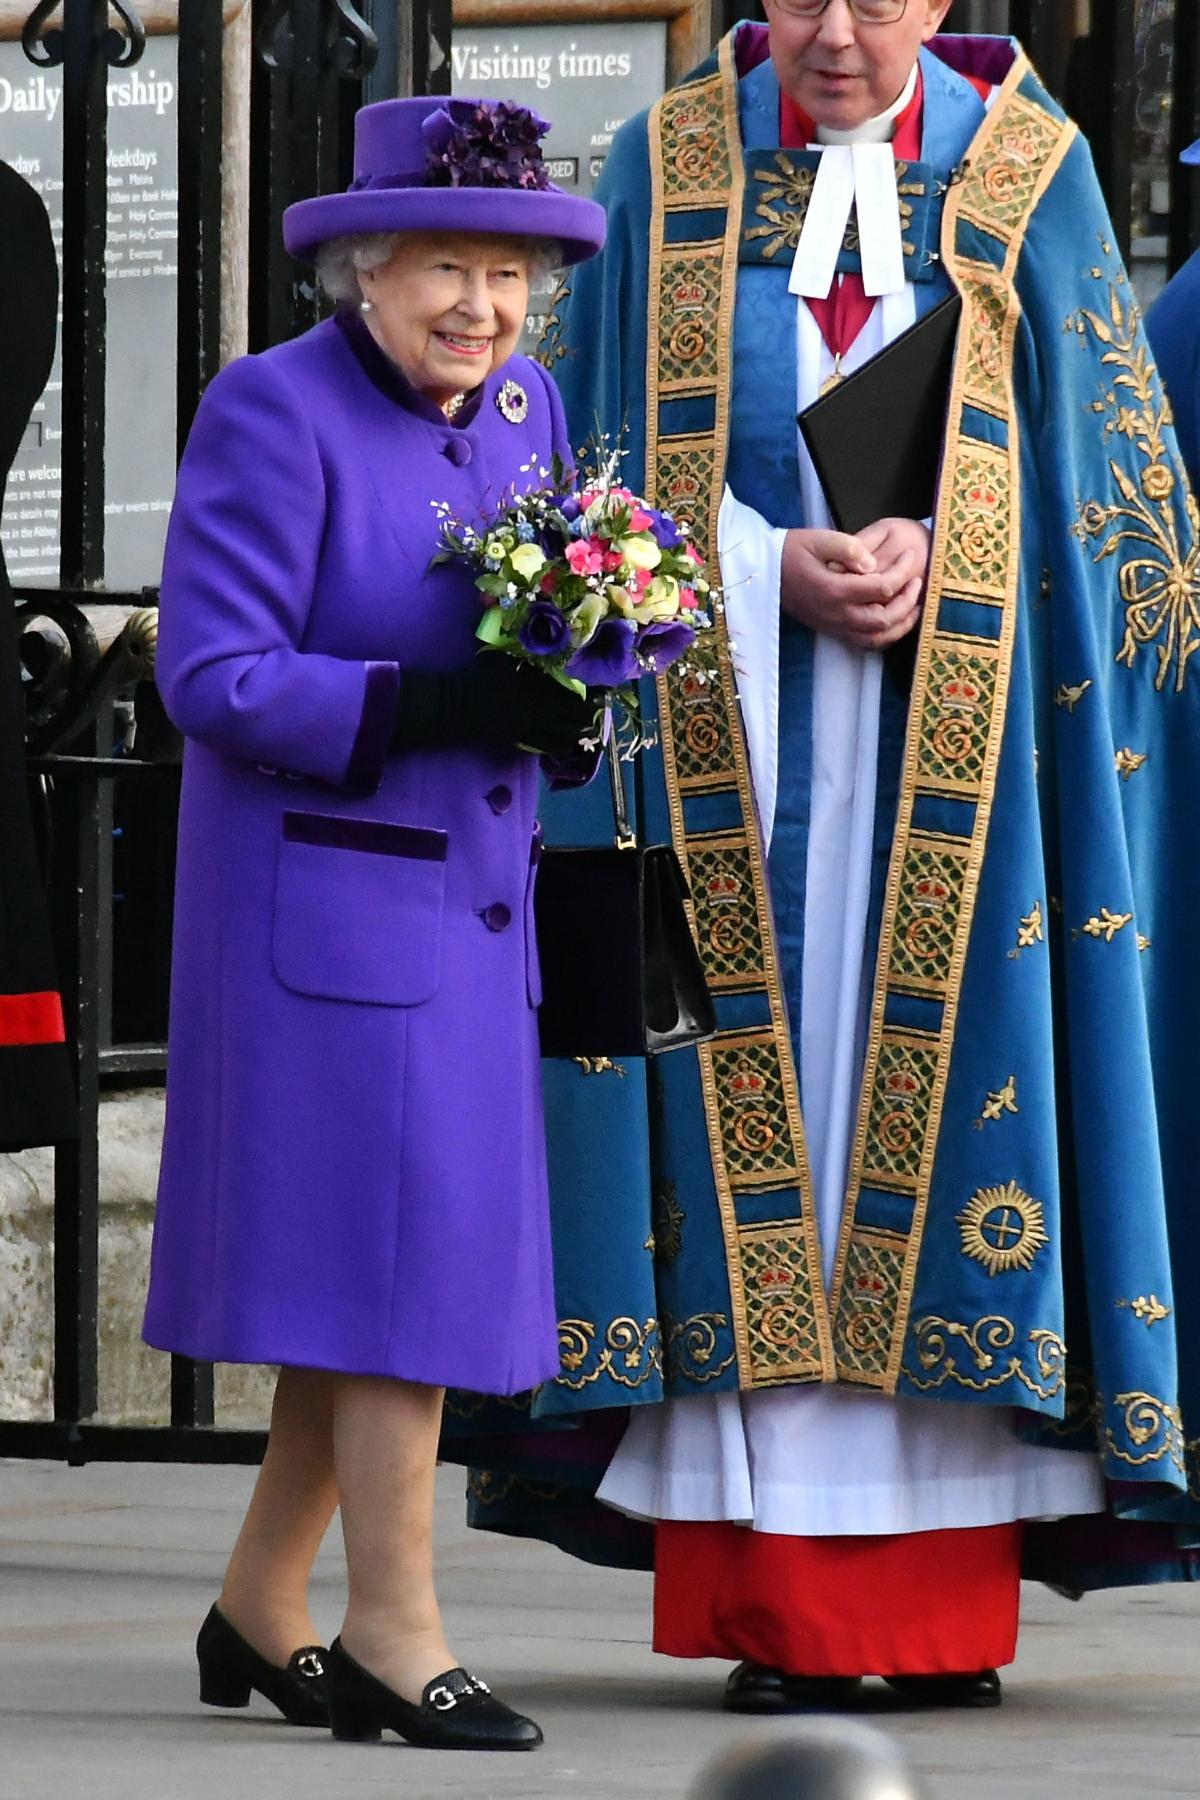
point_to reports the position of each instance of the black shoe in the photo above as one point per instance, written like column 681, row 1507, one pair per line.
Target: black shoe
column 230, row 1667
column 457, row 1711
column 982, row 1689
column 753, row 1688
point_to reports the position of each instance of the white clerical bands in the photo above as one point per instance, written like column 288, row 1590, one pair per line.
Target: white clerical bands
column 862, row 175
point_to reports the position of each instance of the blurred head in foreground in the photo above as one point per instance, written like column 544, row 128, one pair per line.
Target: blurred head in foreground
column 829, row 1759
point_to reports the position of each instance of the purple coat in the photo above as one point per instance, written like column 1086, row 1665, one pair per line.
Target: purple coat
column 353, row 1171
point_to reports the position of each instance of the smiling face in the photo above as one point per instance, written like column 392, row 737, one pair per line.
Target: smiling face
column 448, row 308
column 842, row 72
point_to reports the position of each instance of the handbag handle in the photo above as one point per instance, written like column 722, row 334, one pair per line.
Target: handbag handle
column 625, row 837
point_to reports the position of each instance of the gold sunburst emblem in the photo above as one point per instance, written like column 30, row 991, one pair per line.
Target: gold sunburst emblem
column 1003, row 1228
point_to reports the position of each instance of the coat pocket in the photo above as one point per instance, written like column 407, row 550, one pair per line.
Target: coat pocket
column 358, row 909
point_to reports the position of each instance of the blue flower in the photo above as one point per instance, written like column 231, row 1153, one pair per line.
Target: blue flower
column 664, row 642
column 608, row 658
column 667, row 534
column 544, row 631
column 525, row 532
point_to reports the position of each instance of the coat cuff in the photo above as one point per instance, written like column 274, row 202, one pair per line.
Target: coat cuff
column 374, row 736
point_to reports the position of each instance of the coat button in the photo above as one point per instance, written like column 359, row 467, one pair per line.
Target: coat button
column 497, row 916
column 458, row 450
column 500, row 798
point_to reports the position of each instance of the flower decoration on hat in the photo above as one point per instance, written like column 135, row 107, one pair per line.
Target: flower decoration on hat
column 485, row 143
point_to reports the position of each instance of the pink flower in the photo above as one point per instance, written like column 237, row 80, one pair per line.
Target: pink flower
column 691, row 550
column 687, row 599
column 640, row 519
column 612, row 560
column 588, row 498
column 640, row 580
column 620, row 494
column 549, row 581
column 586, row 556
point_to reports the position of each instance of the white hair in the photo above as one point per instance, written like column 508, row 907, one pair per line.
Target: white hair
column 341, row 260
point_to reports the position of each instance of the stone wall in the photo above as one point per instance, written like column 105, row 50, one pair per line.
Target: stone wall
column 134, row 1380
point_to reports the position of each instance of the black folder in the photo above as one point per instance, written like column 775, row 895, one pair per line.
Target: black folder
column 876, row 438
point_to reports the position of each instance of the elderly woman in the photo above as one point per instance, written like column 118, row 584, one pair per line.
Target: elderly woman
column 353, row 1181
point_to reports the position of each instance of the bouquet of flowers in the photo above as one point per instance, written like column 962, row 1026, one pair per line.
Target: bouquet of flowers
column 592, row 586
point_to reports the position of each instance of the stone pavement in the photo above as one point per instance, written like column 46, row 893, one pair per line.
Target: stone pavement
column 106, row 1572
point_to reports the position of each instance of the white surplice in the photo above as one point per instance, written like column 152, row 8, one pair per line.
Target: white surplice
column 830, row 1461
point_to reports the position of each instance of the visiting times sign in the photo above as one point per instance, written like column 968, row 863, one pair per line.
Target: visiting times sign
column 587, row 79
column 141, row 267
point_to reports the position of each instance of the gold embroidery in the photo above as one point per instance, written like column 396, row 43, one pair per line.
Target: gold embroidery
column 751, row 1096
column 721, row 878
column 668, row 1217
column 868, row 1302
column 786, row 197
column 630, row 1355
column 1003, row 1228
column 928, row 912
column 1144, row 943
column 1001, row 186
column 1105, row 926
column 976, row 557
column 938, row 1342
column 1129, row 762
column 599, row 1065
column 900, row 1110
column 1153, row 1428
column 1030, row 931
column 959, row 705
column 779, row 1310
column 489, row 1489
column 1154, row 523
column 1069, row 697
column 690, row 300
column 1147, row 1307
column 691, row 1346
column 1004, row 1100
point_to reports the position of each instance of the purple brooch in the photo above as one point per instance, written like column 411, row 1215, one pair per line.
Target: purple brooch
column 513, row 402
column 489, row 143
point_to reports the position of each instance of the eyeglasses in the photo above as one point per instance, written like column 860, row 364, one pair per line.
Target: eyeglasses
column 867, row 12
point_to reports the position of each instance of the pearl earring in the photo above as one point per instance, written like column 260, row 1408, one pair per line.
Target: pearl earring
column 366, row 306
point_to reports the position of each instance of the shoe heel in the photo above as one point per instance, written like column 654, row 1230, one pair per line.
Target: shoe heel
column 223, row 1686
column 351, row 1722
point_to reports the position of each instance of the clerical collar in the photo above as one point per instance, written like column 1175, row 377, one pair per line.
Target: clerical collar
column 798, row 129
column 880, row 130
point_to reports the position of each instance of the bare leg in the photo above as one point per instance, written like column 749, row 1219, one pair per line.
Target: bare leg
column 385, row 1448
column 265, row 1595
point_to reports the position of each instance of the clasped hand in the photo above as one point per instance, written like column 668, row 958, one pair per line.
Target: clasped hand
column 866, row 589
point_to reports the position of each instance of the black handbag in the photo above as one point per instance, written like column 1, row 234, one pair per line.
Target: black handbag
column 621, row 975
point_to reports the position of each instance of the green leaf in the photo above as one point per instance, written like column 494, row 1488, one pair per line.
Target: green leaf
column 490, row 629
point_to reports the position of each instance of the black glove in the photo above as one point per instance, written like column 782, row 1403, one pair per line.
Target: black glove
column 494, row 700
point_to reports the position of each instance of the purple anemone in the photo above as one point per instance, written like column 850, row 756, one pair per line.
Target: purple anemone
column 608, row 658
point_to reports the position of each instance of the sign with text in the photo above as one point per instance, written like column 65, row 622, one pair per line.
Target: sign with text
column 142, row 271
column 587, row 79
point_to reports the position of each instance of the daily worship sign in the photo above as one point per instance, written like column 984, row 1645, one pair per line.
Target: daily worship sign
column 141, row 268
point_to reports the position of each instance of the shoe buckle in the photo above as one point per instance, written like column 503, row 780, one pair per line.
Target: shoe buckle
column 441, row 1699
column 310, row 1665
column 481, row 1687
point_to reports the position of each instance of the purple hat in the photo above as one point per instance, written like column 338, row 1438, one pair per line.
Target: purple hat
column 434, row 164
column 1192, row 155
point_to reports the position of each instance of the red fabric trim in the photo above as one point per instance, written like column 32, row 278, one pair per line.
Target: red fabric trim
column 846, row 309
column 31, row 1019
column 982, row 88
column 930, row 1603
